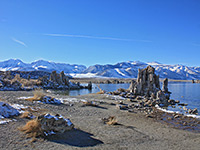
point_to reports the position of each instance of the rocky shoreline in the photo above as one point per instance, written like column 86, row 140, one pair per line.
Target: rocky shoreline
column 124, row 119
column 16, row 81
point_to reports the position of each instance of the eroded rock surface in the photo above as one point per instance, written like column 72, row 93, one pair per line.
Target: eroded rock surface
column 147, row 82
column 54, row 124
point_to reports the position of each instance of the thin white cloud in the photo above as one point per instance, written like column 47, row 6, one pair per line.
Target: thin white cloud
column 95, row 37
column 18, row 41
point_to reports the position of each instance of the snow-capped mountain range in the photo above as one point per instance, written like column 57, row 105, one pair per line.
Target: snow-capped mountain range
column 40, row 65
column 120, row 70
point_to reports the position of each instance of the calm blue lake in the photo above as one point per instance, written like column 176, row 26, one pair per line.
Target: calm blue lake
column 185, row 92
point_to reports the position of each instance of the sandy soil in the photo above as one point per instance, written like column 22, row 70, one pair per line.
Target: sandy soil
column 134, row 130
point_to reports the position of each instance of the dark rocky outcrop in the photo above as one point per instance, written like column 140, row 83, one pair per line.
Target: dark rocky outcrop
column 147, row 82
column 13, row 81
column 146, row 90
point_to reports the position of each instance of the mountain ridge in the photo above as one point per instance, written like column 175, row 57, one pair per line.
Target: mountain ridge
column 127, row 69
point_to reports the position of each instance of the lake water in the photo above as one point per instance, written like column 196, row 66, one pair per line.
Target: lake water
column 185, row 92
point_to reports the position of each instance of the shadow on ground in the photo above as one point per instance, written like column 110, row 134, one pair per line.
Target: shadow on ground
column 101, row 107
column 76, row 138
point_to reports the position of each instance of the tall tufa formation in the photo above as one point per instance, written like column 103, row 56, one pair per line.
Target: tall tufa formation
column 59, row 79
column 147, row 82
column 148, row 85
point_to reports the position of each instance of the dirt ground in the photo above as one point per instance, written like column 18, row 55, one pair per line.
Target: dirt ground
column 134, row 131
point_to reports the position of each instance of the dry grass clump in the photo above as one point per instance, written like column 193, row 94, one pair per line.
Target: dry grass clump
column 30, row 82
column 26, row 82
column 38, row 95
column 32, row 129
column 27, row 115
column 86, row 103
column 111, row 120
column 101, row 92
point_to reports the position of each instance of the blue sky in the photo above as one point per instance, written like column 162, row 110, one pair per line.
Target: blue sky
column 101, row 31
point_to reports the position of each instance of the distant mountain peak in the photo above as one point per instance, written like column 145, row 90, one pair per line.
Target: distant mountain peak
column 154, row 63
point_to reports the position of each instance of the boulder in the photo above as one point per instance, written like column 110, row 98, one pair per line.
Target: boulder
column 7, row 110
column 193, row 111
column 54, row 124
column 162, row 98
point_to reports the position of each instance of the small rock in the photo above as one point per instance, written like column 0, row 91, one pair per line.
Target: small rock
column 182, row 104
column 177, row 101
column 184, row 123
column 176, row 116
column 122, row 107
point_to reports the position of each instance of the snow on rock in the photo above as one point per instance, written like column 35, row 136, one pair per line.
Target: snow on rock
column 177, row 112
column 50, row 100
column 23, row 97
column 51, row 124
column 19, row 107
column 46, row 100
column 115, row 97
column 7, row 110
column 68, row 100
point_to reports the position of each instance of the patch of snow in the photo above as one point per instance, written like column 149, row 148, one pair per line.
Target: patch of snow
column 49, row 116
column 50, row 100
column 193, row 116
column 48, row 91
column 49, row 133
column 153, row 63
column 117, row 69
column 83, row 100
column 23, row 97
column 69, row 123
column 5, row 121
column 85, row 75
column 67, row 100
column 165, row 110
column 14, row 69
column 116, row 97
column 170, row 111
column 42, row 66
column 19, row 107
column 128, row 69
